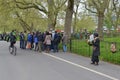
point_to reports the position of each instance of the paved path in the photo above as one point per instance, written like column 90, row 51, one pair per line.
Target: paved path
column 30, row 65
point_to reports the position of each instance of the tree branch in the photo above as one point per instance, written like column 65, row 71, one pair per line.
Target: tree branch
column 25, row 5
column 105, row 5
column 60, row 6
column 89, row 9
column 22, row 22
column 96, row 5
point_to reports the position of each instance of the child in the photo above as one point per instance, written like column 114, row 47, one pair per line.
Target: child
column 113, row 47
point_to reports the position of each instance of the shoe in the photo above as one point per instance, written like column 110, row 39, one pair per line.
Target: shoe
column 96, row 64
column 92, row 63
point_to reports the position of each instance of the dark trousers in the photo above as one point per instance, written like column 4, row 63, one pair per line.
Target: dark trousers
column 25, row 44
column 55, row 47
column 22, row 44
column 32, row 45
column 95, row 59
column 39, row 46
column 52, row 45
column 12, row 44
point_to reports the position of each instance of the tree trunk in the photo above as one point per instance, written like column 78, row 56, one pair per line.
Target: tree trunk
column 117, row 20
column 100, row 25
column 51, row 15
column 68, row 18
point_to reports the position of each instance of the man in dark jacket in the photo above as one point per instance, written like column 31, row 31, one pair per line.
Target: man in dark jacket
column 21, row 40
column 96, row 49
column 55, row 42
column 12, row 38
column 40, row 40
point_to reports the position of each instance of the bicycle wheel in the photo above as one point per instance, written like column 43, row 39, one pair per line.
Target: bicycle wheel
column 10, row 50
column 14, row 51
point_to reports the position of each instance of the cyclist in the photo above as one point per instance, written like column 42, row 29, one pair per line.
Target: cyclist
column 12, row 38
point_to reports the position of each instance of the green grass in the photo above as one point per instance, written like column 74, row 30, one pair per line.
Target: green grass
column 115, row 39
column 82, row 48
column 107, row 55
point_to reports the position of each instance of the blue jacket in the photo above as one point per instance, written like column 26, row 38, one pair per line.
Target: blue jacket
column 29, row 38
column 36, row 39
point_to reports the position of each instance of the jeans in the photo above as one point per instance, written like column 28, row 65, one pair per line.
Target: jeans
column 64, row 48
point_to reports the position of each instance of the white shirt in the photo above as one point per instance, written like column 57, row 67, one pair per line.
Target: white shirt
column 53, row 34
column 91, row 38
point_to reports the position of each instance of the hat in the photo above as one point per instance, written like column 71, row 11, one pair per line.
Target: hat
column 96, row 34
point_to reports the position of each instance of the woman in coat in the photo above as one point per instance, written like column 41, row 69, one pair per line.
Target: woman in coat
column 47, row 41
column 96, row 49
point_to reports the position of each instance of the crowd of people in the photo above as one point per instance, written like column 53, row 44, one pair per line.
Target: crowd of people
column 43, row 41
column 2, row 36
column 49, row 41
column 38, row 41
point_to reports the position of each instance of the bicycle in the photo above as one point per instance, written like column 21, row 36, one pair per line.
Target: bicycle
column 13, row 50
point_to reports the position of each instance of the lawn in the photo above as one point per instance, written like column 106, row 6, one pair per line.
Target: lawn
column 82, row 48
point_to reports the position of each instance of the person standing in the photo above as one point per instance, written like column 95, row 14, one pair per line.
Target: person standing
column 32, row 40
column 55, row 42
column 36, row 41
column 64, row 42
column 25, row 39
column 29, row 41
column 47, row 41
column 52, row 41
column 96, row 49
column 40, row 40
column 21, row 40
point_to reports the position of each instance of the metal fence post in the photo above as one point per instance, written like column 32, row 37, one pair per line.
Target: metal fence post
column 89, row 50
column 70, row 45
